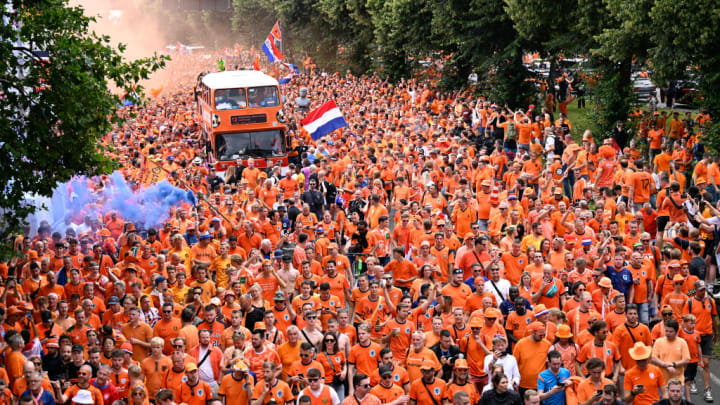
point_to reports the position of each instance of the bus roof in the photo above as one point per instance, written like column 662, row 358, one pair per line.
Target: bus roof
column 237, row 79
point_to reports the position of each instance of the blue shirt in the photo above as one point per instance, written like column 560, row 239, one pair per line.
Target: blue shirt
column 547, row 380
column 508, row 306
column 46, row 397
column 622, row 279
column 471, row 283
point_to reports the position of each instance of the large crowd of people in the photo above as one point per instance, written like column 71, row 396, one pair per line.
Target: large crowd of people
column 441, row 249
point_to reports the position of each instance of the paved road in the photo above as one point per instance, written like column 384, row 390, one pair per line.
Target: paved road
column 697, row 399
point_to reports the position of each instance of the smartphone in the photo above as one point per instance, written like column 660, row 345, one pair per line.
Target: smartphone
column 599, row 392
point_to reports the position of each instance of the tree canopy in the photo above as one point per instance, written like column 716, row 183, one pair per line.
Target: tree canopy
column 56, row 109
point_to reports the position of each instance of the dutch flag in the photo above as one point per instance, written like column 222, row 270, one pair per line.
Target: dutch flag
column 324, row 120
column 273, row 43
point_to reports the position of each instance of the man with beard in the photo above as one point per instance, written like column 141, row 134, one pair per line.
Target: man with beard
column 83, row 383
column 447, row 353
column 53, row 360
column 269, row 388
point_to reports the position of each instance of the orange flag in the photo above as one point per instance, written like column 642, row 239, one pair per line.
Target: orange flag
column 256, row 63
column 151, row 173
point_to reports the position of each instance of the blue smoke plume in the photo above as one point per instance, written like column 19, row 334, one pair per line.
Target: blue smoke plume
column 149, row 205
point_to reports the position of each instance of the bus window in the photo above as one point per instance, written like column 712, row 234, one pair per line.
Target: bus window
column 230, row 99
column 261, row 144
column 265, row 96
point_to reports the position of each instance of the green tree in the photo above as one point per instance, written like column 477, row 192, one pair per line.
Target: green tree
column 253, row 19
column 689, row 43
column 547, row 27
column 402, row 31
column 508, row 79
column 55, row 112
column 474, row 32
column 349, row 22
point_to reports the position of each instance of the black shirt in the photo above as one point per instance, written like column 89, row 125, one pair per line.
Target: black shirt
column 253, row 316
column 451, row 354
column 492, row 397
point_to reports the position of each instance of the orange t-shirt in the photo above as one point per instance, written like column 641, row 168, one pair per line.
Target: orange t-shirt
column 652, row 378
column 531, row 357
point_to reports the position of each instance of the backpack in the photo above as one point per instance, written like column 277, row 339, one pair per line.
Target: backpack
column 559, row 146
column 511, row 132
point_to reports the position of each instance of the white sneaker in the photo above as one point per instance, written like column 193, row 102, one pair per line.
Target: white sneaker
column 693, row 388
column 708, row 395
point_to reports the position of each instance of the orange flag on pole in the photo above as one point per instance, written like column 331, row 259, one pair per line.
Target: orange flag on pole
column 151, row 173
column 256, row 62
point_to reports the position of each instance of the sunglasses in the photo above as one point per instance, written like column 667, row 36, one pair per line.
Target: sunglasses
column 667, row 314
column 311, row 317
column 365, row 385
column 387, row 376
column 313, row 379
column 330, row 340
column 304, row 355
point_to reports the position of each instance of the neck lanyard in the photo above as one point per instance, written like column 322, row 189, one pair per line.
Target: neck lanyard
column 606, row 302
column 36, row 399
column 604, row 353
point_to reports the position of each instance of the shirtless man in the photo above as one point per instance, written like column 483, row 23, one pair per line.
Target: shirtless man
column 64, row 321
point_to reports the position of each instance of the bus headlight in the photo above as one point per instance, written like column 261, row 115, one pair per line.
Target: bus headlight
column 280, row 116
column 215, row 121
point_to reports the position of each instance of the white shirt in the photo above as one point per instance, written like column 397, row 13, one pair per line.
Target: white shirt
column 502, row 285
column 205, row 369
column 510, row 366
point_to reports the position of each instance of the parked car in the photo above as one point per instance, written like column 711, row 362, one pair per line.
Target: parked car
column 643, row 87
column 687, row 94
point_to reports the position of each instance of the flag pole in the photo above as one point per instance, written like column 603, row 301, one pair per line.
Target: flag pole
column 282, row 39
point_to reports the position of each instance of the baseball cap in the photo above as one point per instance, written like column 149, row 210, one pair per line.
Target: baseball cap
column 279, row 296
column 461, row 364
column 113, row 300
column 190, row 367
column 700, row 285
column 384, row 370
column 127, row 347
column 78, row 348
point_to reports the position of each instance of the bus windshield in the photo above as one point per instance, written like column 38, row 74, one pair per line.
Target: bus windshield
column 230, row 99
column 231, row 146
column 264, row 96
